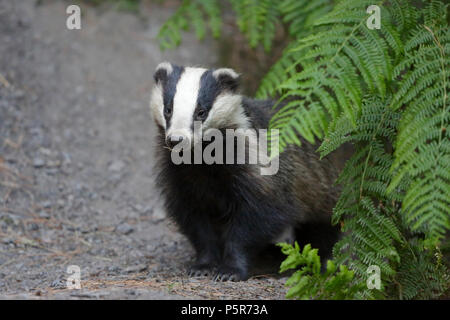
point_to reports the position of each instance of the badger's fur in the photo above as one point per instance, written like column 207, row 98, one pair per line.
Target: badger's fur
column 229, row 212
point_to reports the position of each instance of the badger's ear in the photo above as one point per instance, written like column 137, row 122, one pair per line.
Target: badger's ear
column 227, row 78
column 163, row 70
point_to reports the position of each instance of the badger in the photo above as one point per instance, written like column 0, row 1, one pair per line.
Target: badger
column 231, row 212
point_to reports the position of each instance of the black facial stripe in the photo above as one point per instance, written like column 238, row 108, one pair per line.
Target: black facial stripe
column 170, row 88
column 209, row 90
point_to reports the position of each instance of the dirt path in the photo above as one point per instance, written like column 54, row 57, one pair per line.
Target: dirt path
column 76, row 186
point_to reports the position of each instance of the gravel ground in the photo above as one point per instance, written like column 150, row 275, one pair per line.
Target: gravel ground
column 76, row 154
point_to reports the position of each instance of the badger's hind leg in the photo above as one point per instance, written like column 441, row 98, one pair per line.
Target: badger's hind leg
column 245, row 238
column 288, row 236
column 321, row 236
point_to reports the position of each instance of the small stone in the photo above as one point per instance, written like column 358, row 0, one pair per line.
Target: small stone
column 124, row 228
column 51, row 171
column 38, row 162
column 67, row 159
column 8, row 241
column 58, row 284
column 46, row 204
column 115, row 178
column 19, row 94
column 137, row 268
column 130, row 292
column 44, row 215
column 33, row 227
column 114, row 269
column 55, row 163
column 45, row 151
column 61, row 203
column 79, row 187
column 137, row 207
column 147, row 210
column 159, row 213
column 116, row 166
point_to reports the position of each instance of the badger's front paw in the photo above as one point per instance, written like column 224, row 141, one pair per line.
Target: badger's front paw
column 230, row 274
column 201, row 269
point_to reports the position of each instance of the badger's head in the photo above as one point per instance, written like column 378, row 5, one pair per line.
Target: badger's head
column 183, row 95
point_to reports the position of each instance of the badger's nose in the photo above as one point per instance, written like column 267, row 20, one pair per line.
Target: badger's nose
column 172, row 141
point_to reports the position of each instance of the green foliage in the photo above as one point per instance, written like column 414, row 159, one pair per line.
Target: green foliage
column 385, row 91
column 422, row 147
column 364, row 208
column 257, row 19
column 331, row 60
column 309, row 283
column 191, row 13
column 281, row 71
column 422, row 274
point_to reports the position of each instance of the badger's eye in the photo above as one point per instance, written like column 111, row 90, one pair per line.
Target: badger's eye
column 167, row 111
column 201, row 114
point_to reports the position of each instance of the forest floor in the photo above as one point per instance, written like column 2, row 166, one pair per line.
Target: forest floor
column 76, row 154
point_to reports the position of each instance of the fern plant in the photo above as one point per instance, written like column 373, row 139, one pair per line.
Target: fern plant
column 422, row 147
column 309, row 282
column 191, row 13
column 386, row 92
column 364, row 209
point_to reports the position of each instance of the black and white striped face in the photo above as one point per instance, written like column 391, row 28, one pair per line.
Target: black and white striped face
column 183, row 95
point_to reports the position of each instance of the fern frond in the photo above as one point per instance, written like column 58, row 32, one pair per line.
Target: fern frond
column 191, row 13
column 330, row 63
column 422, row 274
column 370, row 224
column 258, row 20
column 338, row 134
column 309, row 283
column 300, row 15
column 280, row 72
column 422, row 147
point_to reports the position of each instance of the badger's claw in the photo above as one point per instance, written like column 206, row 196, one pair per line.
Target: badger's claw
column 228, row 274
column 200, row 270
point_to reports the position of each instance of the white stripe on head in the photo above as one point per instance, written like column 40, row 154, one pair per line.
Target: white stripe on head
column 227, row 112
column 185, row 102
column 157, row 105
column 157, row 99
